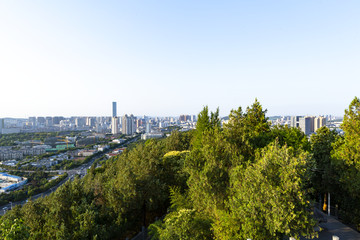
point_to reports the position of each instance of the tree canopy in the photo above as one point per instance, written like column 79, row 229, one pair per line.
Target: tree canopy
column 224, row 180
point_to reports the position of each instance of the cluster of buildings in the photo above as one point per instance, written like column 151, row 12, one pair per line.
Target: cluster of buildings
column 127, row 124
column 54, row 124
column 8, row 152
column 151, row 127
column 10, row 182
column 115, row 152
column 49, row 161
column 308, row 124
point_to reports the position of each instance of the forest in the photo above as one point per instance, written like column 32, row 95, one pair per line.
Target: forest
column 242, row 180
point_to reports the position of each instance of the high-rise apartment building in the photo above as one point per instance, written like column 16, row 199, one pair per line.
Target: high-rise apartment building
column 48, row 121
column 90, row 121
column 32, row 121
column 57, row 119
column 319, row 122
column 115, row 125
column 295, row 121
column 41, row 121
column 306, row 125
column 128, row 124
column 80, row 121
column 148, row 127
column 184, row 118
column 114, row 114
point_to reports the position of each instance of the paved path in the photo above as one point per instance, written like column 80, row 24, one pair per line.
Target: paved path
column 335, row 228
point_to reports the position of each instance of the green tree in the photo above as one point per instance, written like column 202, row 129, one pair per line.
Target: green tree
column 325, row 177
column 208, row 169
column 292, row 137
column 178, row 141
column 13, row 229
column 346, row 157
column 268, row 199
column 347, row 149
column 247, row 131
column 184, row 224
column 205, row 123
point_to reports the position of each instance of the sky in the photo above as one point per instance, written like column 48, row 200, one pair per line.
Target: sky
column 166, row 58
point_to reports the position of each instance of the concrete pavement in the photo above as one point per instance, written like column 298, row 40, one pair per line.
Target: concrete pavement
column 335, row 228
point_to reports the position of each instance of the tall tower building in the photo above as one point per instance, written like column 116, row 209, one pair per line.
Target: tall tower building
column 148, row 127
column 114, row 109
column 114, row 120
column 115, row 125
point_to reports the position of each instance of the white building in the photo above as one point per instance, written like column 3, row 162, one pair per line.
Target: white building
column 115, row 125
column 146, row 136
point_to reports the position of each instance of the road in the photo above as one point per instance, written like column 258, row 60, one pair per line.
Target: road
column 81, row 170
column 332, row 227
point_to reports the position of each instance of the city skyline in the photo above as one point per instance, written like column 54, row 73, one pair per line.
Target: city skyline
column 171, row 58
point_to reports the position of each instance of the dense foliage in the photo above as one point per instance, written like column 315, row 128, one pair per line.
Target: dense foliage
column 245, row 181
column 114, row 200
column 242, row 180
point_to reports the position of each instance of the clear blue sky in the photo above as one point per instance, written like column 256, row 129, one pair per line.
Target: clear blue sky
column 173, row 57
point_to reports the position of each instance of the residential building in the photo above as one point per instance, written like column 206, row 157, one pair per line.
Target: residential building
column 306, row 125
column 148, row 127
column 48, row 121
column 184, row 118
column 115, row 125
column 295, row 121
column 128, row 124
column 319, row 122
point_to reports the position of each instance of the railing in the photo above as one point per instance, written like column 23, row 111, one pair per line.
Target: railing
column 334, row 210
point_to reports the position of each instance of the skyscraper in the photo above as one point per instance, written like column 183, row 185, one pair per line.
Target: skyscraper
column 115, row 125
column 148, row 127
column 114, row 109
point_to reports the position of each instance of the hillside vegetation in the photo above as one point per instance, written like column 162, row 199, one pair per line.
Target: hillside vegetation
column 237, row 181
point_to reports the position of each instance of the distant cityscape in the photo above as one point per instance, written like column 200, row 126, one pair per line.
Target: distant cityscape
column 127, row 124
column 309, row 124
column 149, row 126
column 101, row 132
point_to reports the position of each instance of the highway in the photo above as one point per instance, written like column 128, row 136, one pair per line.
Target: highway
column 81, row 170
